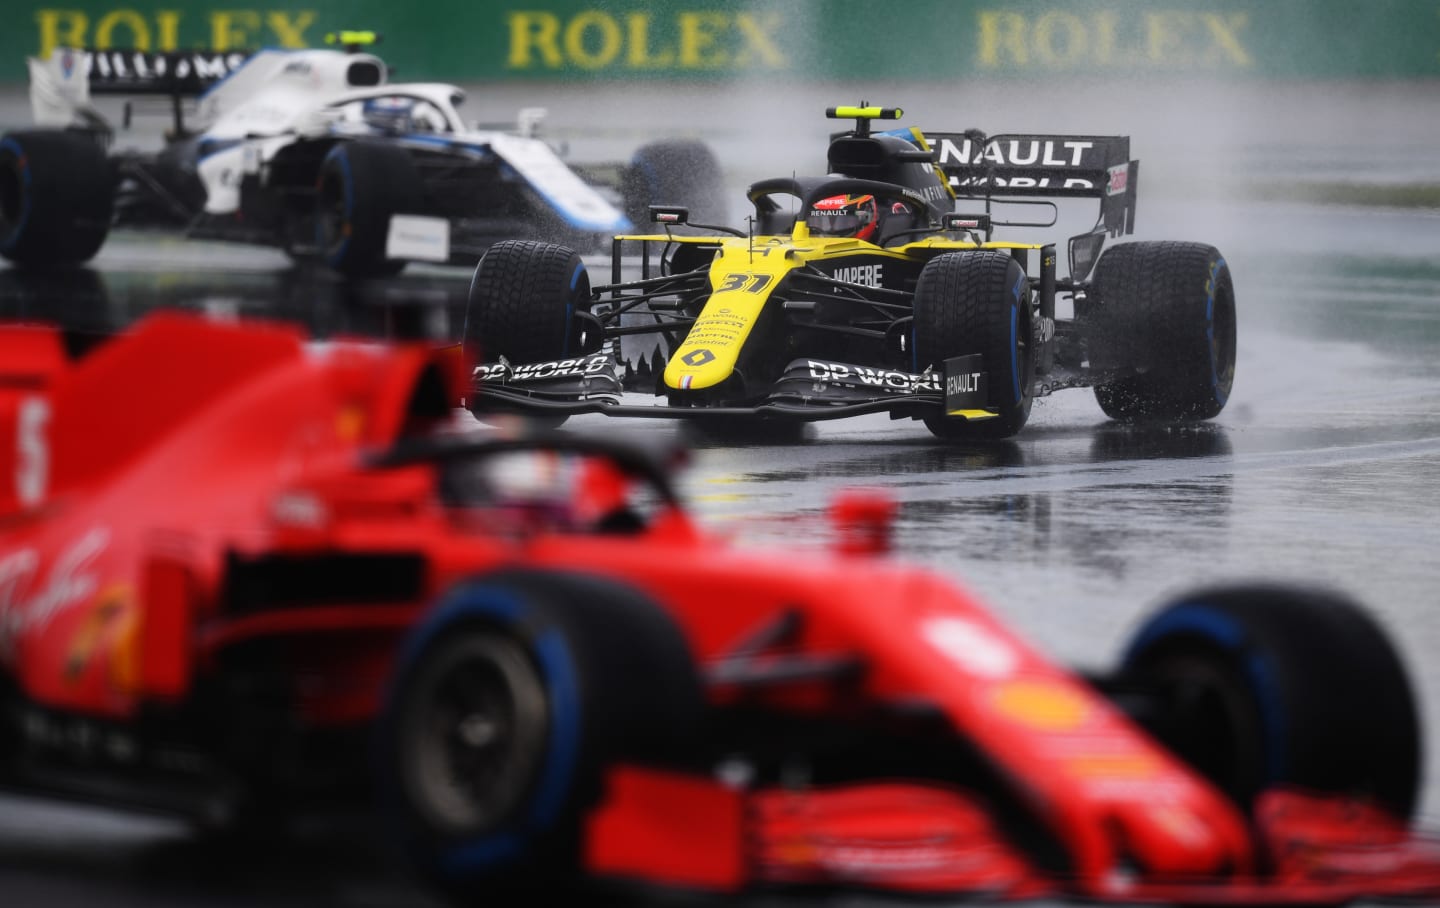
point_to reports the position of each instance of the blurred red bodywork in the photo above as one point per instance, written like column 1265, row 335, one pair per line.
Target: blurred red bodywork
column 132, row 480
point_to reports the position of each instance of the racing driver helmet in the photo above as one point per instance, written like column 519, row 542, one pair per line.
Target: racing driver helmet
column 844, row 215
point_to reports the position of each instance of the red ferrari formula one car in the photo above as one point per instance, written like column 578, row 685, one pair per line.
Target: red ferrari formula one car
column 281, row 583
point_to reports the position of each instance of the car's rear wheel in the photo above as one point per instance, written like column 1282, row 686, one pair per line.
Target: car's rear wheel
column 360, row 186
column 1164, row 321
column 674, row 172
column 1267, row 686
column 57, row 198
column 977, row 302
column 508, row 704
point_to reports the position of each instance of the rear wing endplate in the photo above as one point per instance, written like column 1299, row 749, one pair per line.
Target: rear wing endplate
column 1043, row 166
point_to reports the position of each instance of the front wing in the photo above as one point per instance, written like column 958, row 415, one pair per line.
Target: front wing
column 809, row 389
column 927, row 839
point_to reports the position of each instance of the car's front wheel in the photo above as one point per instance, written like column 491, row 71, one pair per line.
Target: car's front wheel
column 509, row 702
column 977, row 303
column 523, row 300
column 1262, row 687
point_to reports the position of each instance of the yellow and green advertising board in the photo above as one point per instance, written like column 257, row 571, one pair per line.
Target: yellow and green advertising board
column 804, row 40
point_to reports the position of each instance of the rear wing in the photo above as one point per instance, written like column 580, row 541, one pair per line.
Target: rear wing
column 62, row 84
column 137, row 72
column 1043, row 166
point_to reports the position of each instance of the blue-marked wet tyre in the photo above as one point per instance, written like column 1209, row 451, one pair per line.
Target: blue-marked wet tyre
column 57, row 196
column 674, row 172
column 360, row 185
column 977, row 302
column 1262, row 686
column 1164, row 321
column 508, row 704
column 523, row 303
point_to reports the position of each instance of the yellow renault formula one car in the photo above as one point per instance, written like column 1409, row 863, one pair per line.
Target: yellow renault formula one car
column 875, row 288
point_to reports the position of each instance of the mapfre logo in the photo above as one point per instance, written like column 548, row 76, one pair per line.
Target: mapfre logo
column 868, row 275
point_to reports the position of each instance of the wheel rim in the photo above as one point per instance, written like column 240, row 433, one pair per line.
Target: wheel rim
column 1222, row 342
column 1023, row 351
column 477, row 735
column 1215, row 720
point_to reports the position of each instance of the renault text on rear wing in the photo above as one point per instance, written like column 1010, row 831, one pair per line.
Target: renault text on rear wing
column 1054, row 166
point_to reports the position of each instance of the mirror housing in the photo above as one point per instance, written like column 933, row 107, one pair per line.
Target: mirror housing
column 669, row 214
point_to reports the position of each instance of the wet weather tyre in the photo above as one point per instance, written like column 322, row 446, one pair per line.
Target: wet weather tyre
column 1165, row 319
column 1263, row 686
column 509, row 703
column 57, row 197
column 360, row 185
column 977, row 302
column 523, row 303
column 675, row 172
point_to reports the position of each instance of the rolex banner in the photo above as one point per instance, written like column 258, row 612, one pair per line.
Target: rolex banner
column 799, row 40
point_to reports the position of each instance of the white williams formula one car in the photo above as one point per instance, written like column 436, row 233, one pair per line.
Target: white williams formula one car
column 316, row 152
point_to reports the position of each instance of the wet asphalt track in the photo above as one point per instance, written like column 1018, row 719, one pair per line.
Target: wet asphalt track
column 1324, row 467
